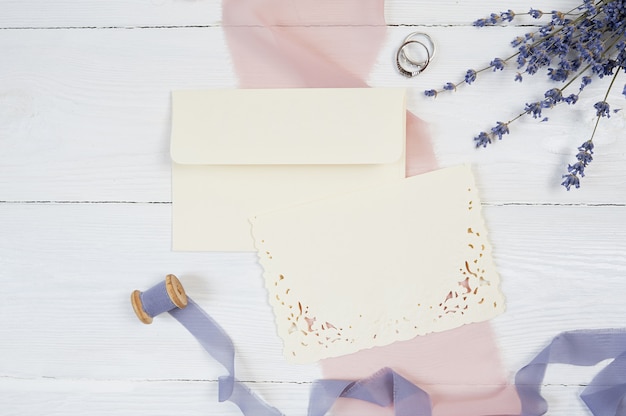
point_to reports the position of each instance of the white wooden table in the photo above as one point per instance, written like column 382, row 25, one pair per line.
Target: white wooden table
column 85, row 206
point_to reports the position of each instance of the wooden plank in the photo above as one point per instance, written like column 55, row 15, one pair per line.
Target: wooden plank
column 197, row 397
column 85, row 115
column 114, row 13
column 68, row 270
column 96, row 104
column 527, row 165
column 140, row 13
column 463, row 12
column 54, row 396
column 84, row 119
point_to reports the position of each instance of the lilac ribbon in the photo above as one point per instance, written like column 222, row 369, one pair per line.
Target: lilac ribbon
column 384, row 388
column 219, row 345
column 605, row 395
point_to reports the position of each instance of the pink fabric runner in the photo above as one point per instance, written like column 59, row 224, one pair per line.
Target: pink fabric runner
column 331, row 43
column 460, row 369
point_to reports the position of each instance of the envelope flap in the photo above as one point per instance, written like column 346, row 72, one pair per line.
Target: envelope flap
column 288, row 126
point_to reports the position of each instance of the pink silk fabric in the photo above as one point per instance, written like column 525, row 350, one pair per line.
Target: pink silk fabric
column 331, row 43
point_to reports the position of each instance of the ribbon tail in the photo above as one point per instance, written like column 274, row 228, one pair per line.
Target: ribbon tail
column 249, row 403
column 409, row 399
column 384, row 388
column 219, row 345
column 605, row 395
column 324, row 393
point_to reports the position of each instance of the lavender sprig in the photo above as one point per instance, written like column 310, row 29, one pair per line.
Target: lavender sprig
column 585, row 43
column 585, row 150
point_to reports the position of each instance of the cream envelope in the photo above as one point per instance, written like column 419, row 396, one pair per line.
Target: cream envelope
column 239, row 152
column 375, row 266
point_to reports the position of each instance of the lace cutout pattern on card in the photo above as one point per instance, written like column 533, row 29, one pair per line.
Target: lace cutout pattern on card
column 469, row 292
column 301, row 323
column 325, row 315
column 473, row 271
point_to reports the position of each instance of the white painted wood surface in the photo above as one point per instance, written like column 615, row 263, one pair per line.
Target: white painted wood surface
column 85, row 206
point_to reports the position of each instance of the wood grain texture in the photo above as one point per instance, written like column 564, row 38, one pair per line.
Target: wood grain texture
column 85, row 205
column 60, row 397
column 66, row 285
column 142, row 13
column 68, row 270
column 85, row 115
column 115, row 13
column 56, row 397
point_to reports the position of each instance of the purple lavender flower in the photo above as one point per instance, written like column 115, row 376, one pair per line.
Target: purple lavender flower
column 591, row 8
column 553, row 96
column 577, row 170
column 586, row 146
column 497, row 64
column 573, row 48
column 517, row 41
column 532, row 68
column 584, row 82
column 545, row 30
column 584, row 157
column 470, row 76
column 500, row 129
column 558, row 74
column 602, row 109
column 559, row 18
column 570, row 180
column 483, row 139
column 571, row 99
column 480, row 23
column 507, row 16
column 534, row 109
